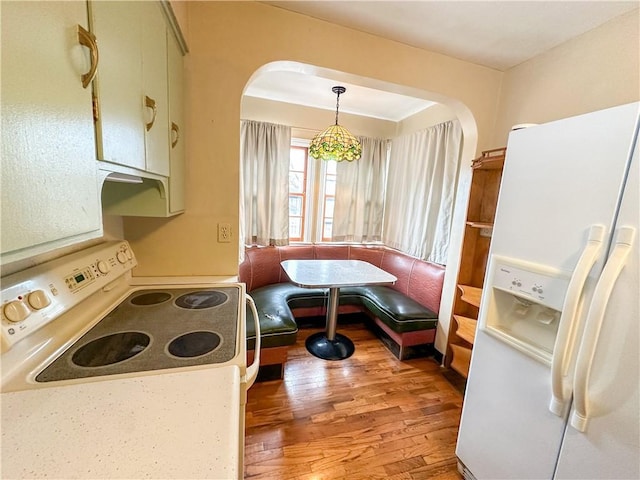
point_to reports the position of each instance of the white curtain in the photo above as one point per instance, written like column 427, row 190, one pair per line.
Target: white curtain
column 359, row 200
column 264, row 189
column 421, row 188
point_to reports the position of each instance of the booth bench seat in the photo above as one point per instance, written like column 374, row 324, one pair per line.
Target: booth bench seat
column 405, row 312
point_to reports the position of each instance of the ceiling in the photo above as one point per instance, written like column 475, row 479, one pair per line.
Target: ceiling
column 315, row 91
column 496, row 34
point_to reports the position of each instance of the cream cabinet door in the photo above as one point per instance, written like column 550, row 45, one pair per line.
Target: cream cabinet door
column 131, row 88
column 154, row 87
column 176, row 118
column 50, row 193
column 118, row 88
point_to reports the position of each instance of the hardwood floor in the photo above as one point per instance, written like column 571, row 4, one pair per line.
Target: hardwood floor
column 366, row 417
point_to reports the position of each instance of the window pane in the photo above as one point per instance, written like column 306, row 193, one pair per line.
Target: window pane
column 295, row 227
column 331, row 167
column 295, row 206
column 326, row 231
column 296, row 182
column 328, row 207
column 330, row 185
column 297, row 159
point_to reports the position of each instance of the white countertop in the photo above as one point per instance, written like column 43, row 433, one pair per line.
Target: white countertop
column 335, row 273
column 174, row 425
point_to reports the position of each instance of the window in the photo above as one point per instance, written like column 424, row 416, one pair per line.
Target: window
column 312, row 188
column 297, row 192
column 328, row 200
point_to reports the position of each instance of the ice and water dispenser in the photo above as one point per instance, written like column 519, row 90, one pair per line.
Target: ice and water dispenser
column 523, row 305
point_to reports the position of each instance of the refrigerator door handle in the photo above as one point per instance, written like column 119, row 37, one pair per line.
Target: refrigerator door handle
column 567, row 329
column 252, row 370
column 616, row 262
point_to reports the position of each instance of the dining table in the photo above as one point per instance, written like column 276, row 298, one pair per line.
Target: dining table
column 333, row 274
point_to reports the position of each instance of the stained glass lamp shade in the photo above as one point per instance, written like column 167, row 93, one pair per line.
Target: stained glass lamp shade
column 335, row 142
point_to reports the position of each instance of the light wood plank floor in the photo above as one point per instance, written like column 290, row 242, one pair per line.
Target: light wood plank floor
column 367, row 417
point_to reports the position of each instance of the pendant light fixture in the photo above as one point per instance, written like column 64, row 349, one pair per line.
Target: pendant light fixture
column 336, row 142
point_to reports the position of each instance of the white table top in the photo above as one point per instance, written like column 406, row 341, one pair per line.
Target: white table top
column 335, row 273
column 174, row 425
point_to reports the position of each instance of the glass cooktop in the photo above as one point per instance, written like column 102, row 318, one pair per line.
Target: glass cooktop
column 152, row 330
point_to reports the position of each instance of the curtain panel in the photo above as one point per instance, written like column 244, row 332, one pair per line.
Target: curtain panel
column 359, row 198
column 264, row 189
column 421, row 188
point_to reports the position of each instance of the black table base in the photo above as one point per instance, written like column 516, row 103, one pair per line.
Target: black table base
column 339, row 348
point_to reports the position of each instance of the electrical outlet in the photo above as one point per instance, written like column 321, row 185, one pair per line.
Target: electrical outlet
column 224, row 232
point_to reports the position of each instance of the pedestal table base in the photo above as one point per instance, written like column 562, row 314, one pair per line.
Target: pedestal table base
column 339, row 348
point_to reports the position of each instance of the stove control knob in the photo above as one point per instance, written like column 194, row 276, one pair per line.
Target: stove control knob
column 103, row 267
column 38, row 300
column 129, row 254
column 16, row 311
column 121, row 257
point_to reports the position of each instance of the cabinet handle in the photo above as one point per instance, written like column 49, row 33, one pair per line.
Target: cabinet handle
column 88, row 39
column 151, row 103
column 175, row 129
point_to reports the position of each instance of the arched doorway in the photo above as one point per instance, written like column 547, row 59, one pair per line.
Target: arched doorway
column 300, row 80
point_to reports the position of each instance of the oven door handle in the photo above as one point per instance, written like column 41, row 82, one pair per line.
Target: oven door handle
column 252, row 370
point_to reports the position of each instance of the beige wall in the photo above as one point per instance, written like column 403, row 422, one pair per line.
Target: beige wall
column 428, row 117
column 596, row 70
column 228, row 42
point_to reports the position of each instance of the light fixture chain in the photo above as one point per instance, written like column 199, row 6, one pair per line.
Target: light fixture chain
column 337, row 107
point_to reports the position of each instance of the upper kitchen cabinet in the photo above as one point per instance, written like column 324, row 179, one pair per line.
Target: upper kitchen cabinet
column 131, row 95
column 139, row 103
column 48, row 140
column 155, row 88
column 176, row 120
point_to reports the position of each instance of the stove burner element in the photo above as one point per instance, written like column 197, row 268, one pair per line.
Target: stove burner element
column 111, row 349
column 201, row 299
column 152, row 298
column 194, row 344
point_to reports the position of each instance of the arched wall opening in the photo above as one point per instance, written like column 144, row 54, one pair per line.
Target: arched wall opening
column 446, row 107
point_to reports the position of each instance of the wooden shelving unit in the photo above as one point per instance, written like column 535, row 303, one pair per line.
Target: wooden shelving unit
column 483, row 198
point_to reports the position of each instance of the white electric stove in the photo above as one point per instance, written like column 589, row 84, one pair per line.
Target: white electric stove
column 82, row 343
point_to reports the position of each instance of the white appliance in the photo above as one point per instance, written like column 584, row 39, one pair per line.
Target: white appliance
column 105, row 378
column 553, row 384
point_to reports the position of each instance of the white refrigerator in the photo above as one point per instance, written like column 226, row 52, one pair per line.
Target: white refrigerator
column 552, row 391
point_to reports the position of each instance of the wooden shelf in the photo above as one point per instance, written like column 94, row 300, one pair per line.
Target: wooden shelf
column 471, row 295
column 466, row 328
column 480, row 224
column 461, row 359
column 486, row 177
column 490, row 159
